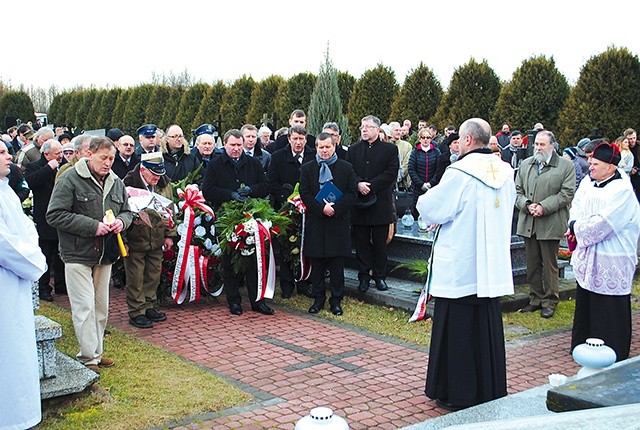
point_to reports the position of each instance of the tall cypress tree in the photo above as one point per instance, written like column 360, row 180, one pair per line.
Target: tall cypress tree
column 295, row 93
column 263, row 99
column 325, row 104
column 236, row 103
column 210, row 106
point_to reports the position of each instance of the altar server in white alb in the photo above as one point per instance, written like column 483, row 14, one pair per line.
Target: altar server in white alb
column 604, row 225
column 21, row 263
column 470, row 271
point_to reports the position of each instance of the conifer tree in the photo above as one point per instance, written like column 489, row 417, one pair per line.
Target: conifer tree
column 209, row 109
column 107, row 106
column 472, row 93
column 345, row 84
column 419, row 96
column 537, row 92
column 605, row 97
column 263, row 99
column 189, row 106
column 135, row 111
column 236, row 103
column 325, row 105
column 117, row 117
column 372, row 94
column 17, row 104
column 170, row 111
column 161, row 96
column 293, row 94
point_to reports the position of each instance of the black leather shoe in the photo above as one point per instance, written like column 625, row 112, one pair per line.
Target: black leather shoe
column 530, row 308
column 363, row 286
column 381, row 285
column 264, row 309
column 155, row 315
column 287, row 290
column 235, row 309
column 47, row 297
column 305, row 288
column 547, row 312
column 316, row 307
column 141, row 321
column 336, row 310
column 117, row 282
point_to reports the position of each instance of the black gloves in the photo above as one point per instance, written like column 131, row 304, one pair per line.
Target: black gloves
column 244, row 191
column 237, row 197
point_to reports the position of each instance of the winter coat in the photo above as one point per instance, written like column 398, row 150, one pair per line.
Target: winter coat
column 223, row 176
column 78, row 203
column 284, row 173
column 179, row 165
column 553, row 187
column 139, row 235
column 377, row 163
column 41, row 177
column 120, row 168
column 423, row 167
column 325, row 236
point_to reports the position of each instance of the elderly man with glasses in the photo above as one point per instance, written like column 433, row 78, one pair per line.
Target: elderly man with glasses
column 178, row 160
column 126, row 158
column 376, row 164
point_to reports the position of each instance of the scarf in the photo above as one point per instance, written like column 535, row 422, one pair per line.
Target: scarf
column 325, row 173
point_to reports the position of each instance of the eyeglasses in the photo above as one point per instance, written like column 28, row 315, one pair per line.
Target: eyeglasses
column 426, row 137
column 176, row 136
column 67, row 152
column 368, row 127
column 128, row 144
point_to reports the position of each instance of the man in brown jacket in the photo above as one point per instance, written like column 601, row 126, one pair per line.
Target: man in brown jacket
column 545, row 185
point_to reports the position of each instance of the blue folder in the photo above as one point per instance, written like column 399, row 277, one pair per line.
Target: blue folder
column 328, row 192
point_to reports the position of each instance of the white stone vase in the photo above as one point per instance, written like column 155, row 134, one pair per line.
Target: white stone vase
column 593, row 356
column 321, row 418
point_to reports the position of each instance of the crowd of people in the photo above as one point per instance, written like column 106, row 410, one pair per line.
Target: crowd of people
column 473, row 184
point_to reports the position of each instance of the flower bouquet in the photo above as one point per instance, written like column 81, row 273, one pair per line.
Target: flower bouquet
column 292, row 241
column 246, row 230
column 197, row 250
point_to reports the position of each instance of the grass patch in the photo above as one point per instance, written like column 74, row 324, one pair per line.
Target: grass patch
column 147, row 387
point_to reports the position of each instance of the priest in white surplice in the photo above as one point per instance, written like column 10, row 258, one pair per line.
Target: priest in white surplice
column 470, row 271
column 21, row 263
column 604, row 223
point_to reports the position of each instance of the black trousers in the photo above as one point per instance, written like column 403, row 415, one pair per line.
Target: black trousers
column 54, row 264
column 336, row 279
column 232, row 281
column 603, row 317
column 371, row 249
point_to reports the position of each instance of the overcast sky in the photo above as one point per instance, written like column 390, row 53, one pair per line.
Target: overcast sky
column 123, row 43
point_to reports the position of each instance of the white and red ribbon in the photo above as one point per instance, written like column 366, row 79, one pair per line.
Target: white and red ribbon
column 305, row 264
column 191, row 267
column 266, row 263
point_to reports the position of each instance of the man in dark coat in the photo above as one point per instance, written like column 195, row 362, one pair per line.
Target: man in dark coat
column 327, row 236
column 376, row 164
column 235, row 176
column 284, row 174
column 178, row 159
column 298, row 117
column 126, row 158
column 41, row 176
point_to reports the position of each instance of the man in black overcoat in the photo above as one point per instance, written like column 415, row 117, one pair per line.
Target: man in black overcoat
column 327, row 232
column 235, row 176
column 376, row 164
column 284, row 174
column 41, row 176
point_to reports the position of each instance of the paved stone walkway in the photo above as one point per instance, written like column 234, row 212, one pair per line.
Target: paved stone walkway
column 292, row 362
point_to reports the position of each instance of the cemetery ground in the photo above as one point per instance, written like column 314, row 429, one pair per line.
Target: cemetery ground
column 206, row 369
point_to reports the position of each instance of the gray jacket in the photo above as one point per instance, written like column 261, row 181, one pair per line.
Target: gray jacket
column 78, row 203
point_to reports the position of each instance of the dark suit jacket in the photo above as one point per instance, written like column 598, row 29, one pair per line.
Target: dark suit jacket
column 120, row 168
column 223, row 176
column 284, row 173
column 328, row 236
column 377, row 163
column 41, row 179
